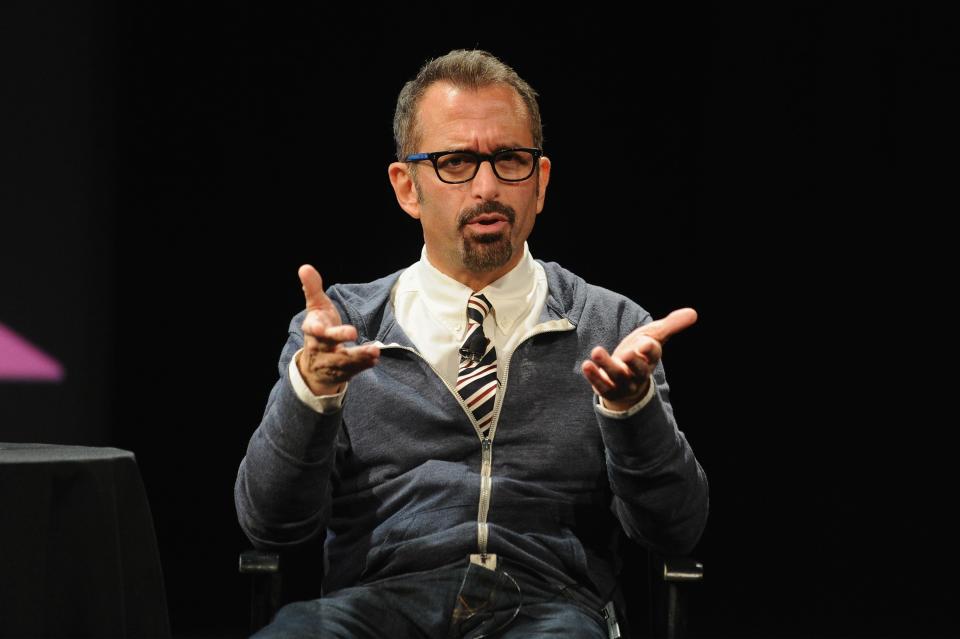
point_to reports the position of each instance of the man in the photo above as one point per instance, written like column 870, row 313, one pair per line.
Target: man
column 496, row 418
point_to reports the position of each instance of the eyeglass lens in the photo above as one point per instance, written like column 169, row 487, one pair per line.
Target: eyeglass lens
column 508, row 165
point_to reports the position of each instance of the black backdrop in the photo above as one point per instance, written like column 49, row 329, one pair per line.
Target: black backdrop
column 167, row 166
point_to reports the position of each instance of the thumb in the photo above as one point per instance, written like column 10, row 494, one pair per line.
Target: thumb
column 662, row 329
column 313, row 287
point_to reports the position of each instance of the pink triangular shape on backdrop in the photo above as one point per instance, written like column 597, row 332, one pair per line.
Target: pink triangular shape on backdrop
column 22, row 361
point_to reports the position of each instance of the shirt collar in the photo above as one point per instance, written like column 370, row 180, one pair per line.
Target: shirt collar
column 446, row 299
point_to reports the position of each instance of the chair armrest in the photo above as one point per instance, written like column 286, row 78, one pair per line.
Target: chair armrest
column 279, row 577
column 682, row 569
column 266, row 585
column 672, row 577
column 253, row 562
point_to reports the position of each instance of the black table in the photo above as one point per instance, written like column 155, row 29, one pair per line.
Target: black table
column 78, row 553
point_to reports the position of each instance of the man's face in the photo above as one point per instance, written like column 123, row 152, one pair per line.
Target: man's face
column 475, row 229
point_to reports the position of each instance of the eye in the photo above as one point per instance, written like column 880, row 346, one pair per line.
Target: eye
column 514, row 158
column 455, row 162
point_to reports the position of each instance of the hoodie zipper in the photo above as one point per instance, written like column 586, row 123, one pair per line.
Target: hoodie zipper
column 486, row 442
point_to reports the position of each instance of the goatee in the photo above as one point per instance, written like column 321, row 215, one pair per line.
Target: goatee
column 487, row 251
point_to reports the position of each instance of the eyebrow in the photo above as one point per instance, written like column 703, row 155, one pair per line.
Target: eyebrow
column 502, row 147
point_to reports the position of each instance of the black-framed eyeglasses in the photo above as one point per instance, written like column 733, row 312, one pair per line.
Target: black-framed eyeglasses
column 456, row 167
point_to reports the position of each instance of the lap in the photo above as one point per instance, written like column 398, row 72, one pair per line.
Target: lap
column 450, row 602
column 554, row 619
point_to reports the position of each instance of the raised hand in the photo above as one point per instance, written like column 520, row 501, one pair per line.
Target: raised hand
column 622, row 379
column 326, row 363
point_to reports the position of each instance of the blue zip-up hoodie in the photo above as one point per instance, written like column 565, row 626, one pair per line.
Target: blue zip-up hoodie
column 395, row 475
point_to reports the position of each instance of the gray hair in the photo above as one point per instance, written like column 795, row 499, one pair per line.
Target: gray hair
column 470, row 69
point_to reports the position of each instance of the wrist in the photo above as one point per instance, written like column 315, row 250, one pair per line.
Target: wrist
column 626, row 403
column 324, row 389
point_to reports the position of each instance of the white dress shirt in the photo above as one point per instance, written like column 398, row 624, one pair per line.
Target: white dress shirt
column 432, row 310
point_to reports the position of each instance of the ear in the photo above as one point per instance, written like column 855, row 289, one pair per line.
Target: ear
column 405, row 188
column 543, row 181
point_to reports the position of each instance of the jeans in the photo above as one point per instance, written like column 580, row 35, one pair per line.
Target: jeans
column 461, row 600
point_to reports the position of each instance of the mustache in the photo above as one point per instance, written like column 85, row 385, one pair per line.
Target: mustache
column 491, row 206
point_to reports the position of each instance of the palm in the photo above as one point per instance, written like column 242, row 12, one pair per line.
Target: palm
column 623, row 377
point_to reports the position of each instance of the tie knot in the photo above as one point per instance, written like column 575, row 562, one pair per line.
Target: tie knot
column 478, row 307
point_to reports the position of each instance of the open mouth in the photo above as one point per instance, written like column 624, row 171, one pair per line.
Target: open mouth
column 488, row 223
column 488, row 226
column 488, row 219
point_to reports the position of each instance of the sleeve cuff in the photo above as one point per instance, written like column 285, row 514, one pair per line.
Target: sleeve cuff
column 323, row 404
column 615, row 414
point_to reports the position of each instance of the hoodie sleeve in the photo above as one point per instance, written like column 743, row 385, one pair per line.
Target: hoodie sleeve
column 660, row 491
column 283, row 492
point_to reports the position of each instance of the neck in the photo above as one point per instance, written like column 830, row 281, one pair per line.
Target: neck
column 474, row 280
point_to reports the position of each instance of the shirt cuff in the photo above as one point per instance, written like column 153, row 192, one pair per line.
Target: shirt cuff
column 633, row 410
column 323, row 404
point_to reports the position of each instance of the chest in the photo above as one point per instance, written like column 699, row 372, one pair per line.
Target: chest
column 402, row 414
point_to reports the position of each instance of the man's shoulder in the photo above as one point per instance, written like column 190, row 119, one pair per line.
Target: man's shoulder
column 576, row 297
column 365, row 296
column 357, row 301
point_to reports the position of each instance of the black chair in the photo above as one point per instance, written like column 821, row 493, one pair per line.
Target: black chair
column 654, row 590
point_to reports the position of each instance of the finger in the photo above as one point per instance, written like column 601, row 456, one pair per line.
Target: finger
column 319, row 336
column 618, row 372
column 640, row 365
column 342, row 333
column 314, row 344
column 313, row 287
column 366, row 351
column 342, row 354
column 662, row 329
column 598, row 379
column 345, row 363
column 316, row 323
column 642, row 351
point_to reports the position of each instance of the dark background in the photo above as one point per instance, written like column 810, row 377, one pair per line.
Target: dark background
column 786, row 170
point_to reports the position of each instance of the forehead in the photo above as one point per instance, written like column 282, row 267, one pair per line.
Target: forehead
column 465, row 117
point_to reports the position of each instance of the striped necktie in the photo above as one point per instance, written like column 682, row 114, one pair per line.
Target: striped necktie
column 477, row 378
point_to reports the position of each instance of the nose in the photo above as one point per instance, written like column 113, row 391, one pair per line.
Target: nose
column 485, row 185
